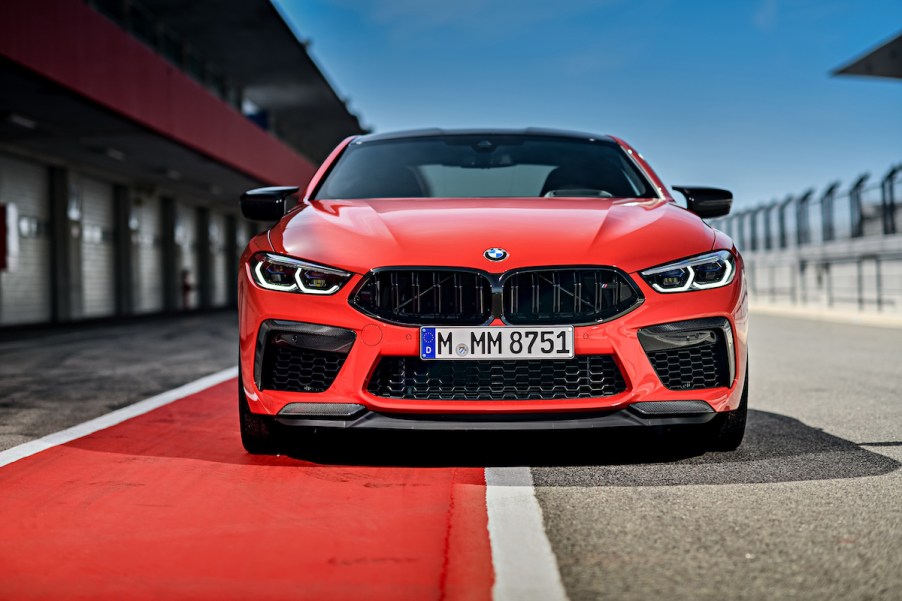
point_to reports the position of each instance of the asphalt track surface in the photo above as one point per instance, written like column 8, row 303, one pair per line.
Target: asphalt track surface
column 167, row 504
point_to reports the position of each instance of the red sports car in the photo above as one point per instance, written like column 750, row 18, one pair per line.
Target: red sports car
column 490, row 279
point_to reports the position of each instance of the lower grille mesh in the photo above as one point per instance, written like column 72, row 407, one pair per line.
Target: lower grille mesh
column 692, row 367
column 583, row 376
column 294, row 369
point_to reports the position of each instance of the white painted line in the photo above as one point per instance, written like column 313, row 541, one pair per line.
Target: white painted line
column 525, row 565
column 115, row 417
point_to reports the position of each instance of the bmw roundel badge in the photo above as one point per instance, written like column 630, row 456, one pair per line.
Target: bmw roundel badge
column 495, row 254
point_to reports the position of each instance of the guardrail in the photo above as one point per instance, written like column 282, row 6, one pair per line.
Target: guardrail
column 837, row 248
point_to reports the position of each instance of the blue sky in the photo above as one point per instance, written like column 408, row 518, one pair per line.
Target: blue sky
column 732, row 94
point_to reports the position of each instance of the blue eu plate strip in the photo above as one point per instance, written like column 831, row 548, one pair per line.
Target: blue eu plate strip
column 427, row 343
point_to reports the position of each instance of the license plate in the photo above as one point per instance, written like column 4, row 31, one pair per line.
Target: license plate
column 497, row 343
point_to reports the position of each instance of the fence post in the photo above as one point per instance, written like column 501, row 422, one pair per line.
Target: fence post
column 827, row 215
column 753, row 233
column 803, row 229
column 888, row 200
column 740, row 230
column 768, row 225
column 784, row 238
column 857, row 223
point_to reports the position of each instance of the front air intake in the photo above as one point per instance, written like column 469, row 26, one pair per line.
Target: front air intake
column 691, row 355
column 299, row 357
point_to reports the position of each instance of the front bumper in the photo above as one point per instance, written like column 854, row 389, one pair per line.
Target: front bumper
column 630, row 416
column 372, row 339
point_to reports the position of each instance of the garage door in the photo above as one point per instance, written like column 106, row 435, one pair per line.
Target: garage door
column 25, row 296
column 97, row 249
column 186, row 251
column 219, row 263
column 148, row 248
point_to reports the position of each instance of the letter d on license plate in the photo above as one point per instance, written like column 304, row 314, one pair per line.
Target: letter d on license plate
column 497, row 343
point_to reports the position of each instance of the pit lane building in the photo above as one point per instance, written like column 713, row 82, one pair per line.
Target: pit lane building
column 127, row 131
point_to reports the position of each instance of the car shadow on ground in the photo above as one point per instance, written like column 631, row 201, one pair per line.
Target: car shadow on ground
column 776, row 449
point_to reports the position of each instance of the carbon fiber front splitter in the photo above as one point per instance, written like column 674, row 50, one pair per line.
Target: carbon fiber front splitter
column 629, row 417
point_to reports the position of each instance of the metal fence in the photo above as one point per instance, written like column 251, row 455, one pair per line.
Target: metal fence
column 836, row 213
column 837, row 247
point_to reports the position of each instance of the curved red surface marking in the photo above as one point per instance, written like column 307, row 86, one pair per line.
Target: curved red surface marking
column 168, row 505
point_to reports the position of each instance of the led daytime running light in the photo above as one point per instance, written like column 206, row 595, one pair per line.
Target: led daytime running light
column 299, row 267
column 723, row 257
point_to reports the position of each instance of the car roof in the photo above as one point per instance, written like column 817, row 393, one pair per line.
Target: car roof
column 433, row 132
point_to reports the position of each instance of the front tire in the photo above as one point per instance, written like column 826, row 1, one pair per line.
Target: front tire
column 258, row 432
column 728, row 429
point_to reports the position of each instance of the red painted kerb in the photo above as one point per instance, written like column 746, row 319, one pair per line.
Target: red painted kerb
column 168, row 505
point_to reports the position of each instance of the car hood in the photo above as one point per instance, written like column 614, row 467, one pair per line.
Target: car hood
column 359, row 235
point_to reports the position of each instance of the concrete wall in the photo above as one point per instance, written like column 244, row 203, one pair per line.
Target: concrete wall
column 864, row 274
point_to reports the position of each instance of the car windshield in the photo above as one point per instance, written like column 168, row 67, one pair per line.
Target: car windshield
column 488, row 166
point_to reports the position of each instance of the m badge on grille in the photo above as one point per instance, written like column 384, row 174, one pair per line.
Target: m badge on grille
column 495, row 254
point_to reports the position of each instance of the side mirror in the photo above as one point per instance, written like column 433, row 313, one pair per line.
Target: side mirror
column 707, row 202
column 266, row 204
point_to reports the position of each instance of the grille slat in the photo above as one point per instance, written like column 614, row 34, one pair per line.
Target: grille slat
column 597, row 289
column 540, row 296
column 395, row 293
column 436, row 293
column 535, row 293
column 584, row 376
column 480, row 294
column 577, row 295
column 424, row 297
column 562, row 296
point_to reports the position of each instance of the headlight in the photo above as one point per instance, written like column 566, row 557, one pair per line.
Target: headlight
column 711, row 270
column 275, row 272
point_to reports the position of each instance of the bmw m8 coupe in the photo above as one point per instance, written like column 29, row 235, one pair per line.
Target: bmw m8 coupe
column 490, row 279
